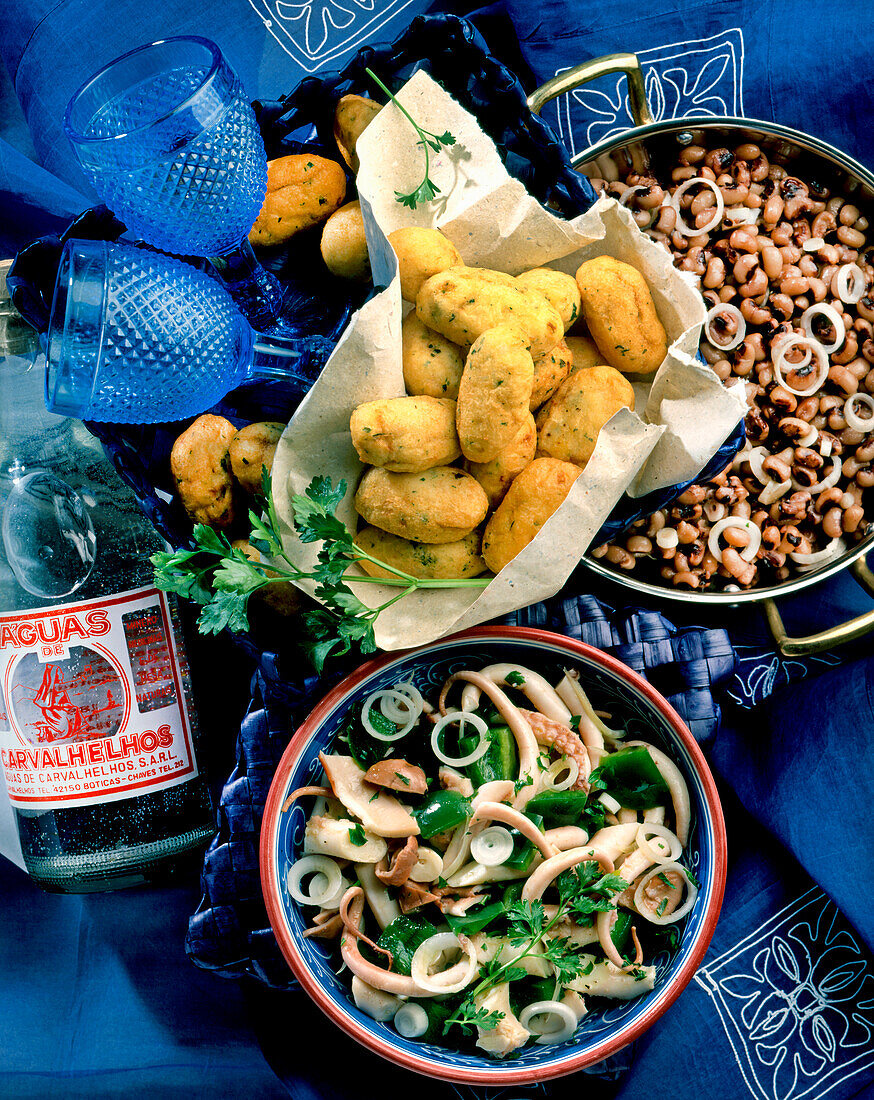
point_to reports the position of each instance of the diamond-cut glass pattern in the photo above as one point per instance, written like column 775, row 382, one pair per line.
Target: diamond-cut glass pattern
column 193, row 181
column 173, row 341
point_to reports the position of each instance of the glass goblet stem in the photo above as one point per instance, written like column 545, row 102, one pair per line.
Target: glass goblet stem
column 297, row 361
column 256, row 292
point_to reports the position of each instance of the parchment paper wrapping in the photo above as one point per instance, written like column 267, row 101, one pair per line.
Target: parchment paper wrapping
column 681, row 416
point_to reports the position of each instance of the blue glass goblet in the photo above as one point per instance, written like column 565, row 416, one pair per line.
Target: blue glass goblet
column 139, row 338
column 170, row 143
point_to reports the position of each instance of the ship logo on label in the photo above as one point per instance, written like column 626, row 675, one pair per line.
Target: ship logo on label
column 77, row 699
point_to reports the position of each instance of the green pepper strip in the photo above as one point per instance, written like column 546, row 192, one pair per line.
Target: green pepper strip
column 471, row 923
column 442, row 811
column 402, row 937
column 633, row 779
column 559, row 807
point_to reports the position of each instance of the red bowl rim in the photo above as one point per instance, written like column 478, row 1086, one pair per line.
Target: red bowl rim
column 457, row 1074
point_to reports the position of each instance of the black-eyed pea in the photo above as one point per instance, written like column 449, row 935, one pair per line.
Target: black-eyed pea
column 844, row 379
column 736, row 536
column 852, row 238
column 832, row 523
column 686, row 533
column 693, row 495
column 852, row 518
column 657, row 522
column 617, row 555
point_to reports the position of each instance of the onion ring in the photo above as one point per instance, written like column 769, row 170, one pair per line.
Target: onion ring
column 854, row 421
column 774, row 490
column 828, row 482
column 492, row 846
column 400, row 715
column 565, row 764
column 653, row 854
column 460, row 716
column 810, row 437
column 609, row 802
column 681, row 226
column 832, row 314
column 748, row 553
column 626, row 195
column 401, row 731
column 779, row 341
column 732, row 311
column 819, row 557
column 819, row 352
column 842, row 285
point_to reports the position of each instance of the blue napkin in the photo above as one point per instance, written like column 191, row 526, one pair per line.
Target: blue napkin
column 271, row 44
column 784, row 1003
column 803, row 65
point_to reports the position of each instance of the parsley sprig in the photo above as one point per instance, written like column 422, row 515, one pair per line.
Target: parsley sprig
column 427, row 189
column 220, row 577
column 583, row 891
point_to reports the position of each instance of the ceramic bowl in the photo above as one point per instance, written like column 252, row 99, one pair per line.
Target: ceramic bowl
column 611, row 686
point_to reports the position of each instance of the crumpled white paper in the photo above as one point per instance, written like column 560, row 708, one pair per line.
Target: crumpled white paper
column 681, row 417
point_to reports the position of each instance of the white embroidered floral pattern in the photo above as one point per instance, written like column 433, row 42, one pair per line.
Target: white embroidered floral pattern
column 796, row 999
column 760, row 671
column 314, row 32
column 701, row 77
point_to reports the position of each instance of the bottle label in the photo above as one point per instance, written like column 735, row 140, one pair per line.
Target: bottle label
column 92, row 708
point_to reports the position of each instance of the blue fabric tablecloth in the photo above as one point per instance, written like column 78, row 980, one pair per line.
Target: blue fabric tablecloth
column 97, row 997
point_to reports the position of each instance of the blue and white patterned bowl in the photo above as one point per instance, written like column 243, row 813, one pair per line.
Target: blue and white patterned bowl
column 634, row 705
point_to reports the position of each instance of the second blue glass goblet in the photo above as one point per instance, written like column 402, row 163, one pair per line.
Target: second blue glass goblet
column 139, row 338
column 170, row 143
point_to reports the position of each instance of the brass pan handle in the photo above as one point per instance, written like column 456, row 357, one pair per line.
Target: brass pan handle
column 826, row 639
column 627, row 63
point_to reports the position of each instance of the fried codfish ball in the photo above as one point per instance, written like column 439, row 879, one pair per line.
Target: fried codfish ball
column 430, row 561
column 406, row 434
column 432, row 364
column 421, row 253
column 560, row 290
column 201, row 466
column 352, row 115
column 584, row 351
column 281, row 596
column 532, row 498
column 344, row 245
column 494, row 393
column 621, row 315
column 465, row 302
column 252, row 448
column 302, row 190
column 439, row 505
column 550, row 371
column 496, row 476
column 568, row 425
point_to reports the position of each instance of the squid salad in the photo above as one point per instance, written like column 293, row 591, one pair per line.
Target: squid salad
column 492, row 861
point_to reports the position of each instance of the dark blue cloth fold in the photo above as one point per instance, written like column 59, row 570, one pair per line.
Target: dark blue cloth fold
column 774, row 59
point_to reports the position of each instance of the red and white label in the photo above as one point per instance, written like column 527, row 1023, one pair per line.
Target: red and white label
column 93, row 708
